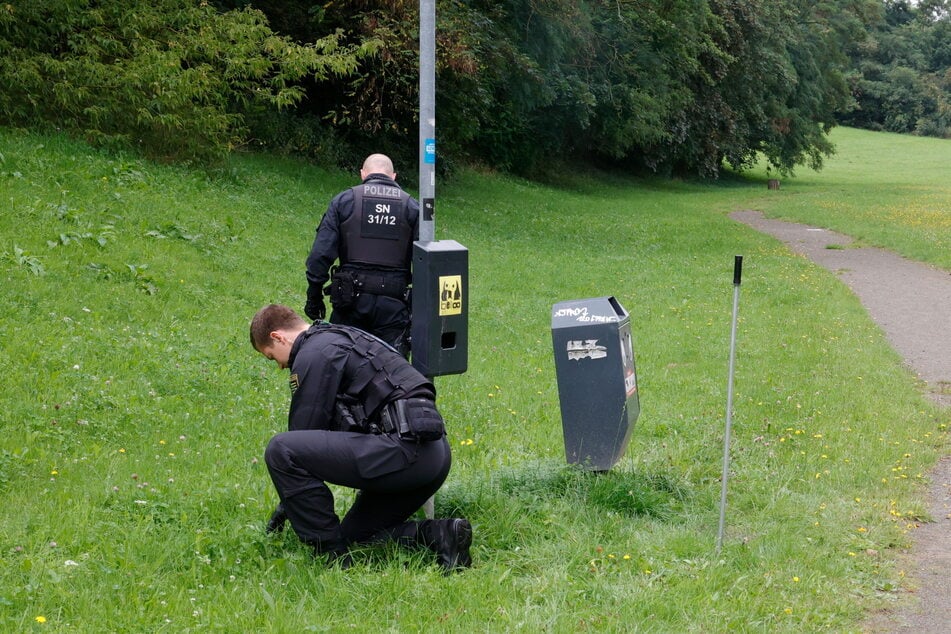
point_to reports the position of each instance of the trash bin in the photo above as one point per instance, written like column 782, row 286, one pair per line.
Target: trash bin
column 597, row 379
column 440, row 324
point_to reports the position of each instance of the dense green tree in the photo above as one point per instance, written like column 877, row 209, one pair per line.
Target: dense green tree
column 770, row 86
column 612, row 73
column 681, row 86
column 901, row 74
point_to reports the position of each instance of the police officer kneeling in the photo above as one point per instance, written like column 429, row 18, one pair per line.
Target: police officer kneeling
column 362, row 417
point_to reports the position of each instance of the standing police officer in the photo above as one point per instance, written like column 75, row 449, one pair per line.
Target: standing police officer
column 360, row 416
column 370, row 229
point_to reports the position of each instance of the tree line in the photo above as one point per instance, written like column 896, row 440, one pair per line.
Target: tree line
column 673, row 86
column 900, row 74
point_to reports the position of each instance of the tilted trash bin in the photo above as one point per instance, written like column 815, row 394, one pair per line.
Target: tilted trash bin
column 597, row 379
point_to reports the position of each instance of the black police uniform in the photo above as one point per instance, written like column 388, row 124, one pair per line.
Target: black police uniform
column 370, row 229
column 360, row 416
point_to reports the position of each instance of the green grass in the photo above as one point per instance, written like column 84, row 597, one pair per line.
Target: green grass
column 134, row 413
column 884, row 189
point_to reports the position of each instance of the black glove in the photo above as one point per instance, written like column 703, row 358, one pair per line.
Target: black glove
column 315, row 309
column 276, row 523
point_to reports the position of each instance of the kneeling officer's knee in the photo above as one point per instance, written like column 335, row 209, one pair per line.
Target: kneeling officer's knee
column 277, row 454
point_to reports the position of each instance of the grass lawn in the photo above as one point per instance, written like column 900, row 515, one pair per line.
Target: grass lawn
column 134, row 413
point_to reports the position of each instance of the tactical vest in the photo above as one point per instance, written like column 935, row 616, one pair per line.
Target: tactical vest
column 378, row 232
column 375, row 372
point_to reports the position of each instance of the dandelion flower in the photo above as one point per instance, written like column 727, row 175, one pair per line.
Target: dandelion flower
column 41, row 619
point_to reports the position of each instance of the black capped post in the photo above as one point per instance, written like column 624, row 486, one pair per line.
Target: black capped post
column 737, row 273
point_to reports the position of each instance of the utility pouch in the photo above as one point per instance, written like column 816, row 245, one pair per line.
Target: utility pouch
column 414, row 419
column 344, row 289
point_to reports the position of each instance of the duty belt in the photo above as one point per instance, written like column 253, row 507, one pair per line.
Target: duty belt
column 389, row 285
column 413, row 419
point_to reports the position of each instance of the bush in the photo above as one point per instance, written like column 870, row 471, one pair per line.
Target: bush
column 171, row 77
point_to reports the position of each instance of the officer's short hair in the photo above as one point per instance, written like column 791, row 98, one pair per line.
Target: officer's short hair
column 270, row 318
column 378, row 163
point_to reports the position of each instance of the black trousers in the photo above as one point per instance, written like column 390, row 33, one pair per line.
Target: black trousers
column 386, row 317
column 393, row 477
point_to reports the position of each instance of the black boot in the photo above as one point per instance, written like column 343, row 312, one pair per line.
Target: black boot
column 334, row 553
column 339, row 559
column 450, row 539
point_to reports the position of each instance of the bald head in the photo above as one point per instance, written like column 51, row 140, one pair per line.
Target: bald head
column 378, row 164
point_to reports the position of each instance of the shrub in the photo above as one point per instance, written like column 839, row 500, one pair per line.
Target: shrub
column 172, row 77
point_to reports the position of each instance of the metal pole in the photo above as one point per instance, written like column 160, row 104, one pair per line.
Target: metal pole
column 427, row 119
column 427, row 141
column 737, row 271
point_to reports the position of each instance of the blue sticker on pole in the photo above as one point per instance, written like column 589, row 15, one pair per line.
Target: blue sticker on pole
column 429, row 151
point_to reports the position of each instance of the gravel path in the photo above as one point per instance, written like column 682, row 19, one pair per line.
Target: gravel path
column 911, row 302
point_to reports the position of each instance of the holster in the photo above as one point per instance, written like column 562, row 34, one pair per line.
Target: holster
column 350, row 416
column 414, row 419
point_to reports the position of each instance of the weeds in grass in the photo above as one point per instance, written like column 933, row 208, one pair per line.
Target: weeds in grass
column 22, row 259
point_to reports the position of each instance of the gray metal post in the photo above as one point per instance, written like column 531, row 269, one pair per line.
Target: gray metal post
column 737, row 271
column 427, row 119
column 427, row 140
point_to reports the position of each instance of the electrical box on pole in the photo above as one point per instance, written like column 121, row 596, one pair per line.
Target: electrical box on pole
column 440, row 322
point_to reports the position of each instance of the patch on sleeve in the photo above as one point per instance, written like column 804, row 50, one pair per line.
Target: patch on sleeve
column 294, row 383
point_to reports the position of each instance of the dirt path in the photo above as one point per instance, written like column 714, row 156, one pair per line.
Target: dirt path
column 911, row 302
